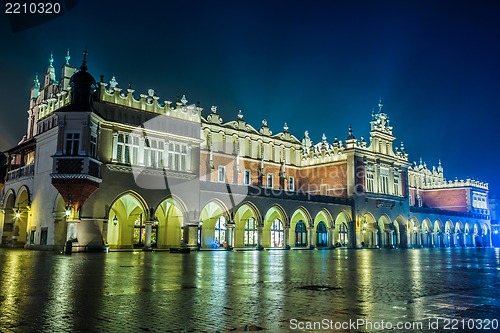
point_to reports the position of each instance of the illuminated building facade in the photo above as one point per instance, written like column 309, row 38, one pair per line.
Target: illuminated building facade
column 101, row 168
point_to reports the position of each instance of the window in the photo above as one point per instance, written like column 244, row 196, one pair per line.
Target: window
column 222, row 174
column 420, row 202
column 246, row 178
column 220, row 232
column 343, row 234
column 291, row 184
column 250, row 232
column 300, row 234
column 396, row 185
column 321, row 235
column 369, row 182
column 72, row 143
column 93, row 146
column 277, row 233
column 384, row 180
column 410, row 199
column 43, row 236
column 270, row 180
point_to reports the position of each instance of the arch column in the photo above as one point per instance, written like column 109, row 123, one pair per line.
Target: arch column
column 331, row 234
column 310, row 239
column 147, row 242
column 259, row 237
column 286, row 231
column 230, row 236
column 376, row 238
column 391, row 239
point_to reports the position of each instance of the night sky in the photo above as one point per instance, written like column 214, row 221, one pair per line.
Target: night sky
column 316, row 65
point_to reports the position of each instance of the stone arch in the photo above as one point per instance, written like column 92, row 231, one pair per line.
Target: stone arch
column 468, row 235
column 449, row 230
column 369, row 231
column 342, row 232
column 401, row 236
column 438, row 233
column 126, row 221
column 414, row 229
column 21, row 221
column 426, row 233
column 485, row 235
column 323, row 239
column 215, row 217
column 61, row 234
column 274, row 219
column 169, row 217
column 247, row 220
column 459, row 233
column 301, row 219
column 9, row 219
column 386, row 231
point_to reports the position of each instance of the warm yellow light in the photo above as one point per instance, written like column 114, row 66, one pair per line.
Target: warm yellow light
column 68, row 212
column 18, row 215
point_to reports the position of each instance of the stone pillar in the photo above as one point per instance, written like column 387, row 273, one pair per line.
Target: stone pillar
column 376, row 236
column 188, row 158
column 115, row 147
column 287, row 237
column 391, row 239
column 147, row 242
column 259, row 238
column 230, row 237
column 331, row 234
column 310, row 238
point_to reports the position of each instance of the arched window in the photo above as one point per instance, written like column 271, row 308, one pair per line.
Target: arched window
column 250, row 232
column 343, row 234
column 220, row 232
column 321, row 235
column 300, row 234
column 277, row 233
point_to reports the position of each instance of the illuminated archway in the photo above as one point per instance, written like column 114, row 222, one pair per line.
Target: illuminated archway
column 299, row 228
column 323, row 238
column 215, row 218
column 438, row 234
column 246, row 220
column 414, row 229
column 169, row 216
column 427, row 240
column 386, row 230
column 21, row 216
column 459, row 234
column 8, row 217
column 449, row 230
column 274, row 227
column 341, row 232
column 469, row 235
column 127, row 216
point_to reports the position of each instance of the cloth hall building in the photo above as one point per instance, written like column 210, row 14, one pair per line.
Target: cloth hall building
column 106, row 168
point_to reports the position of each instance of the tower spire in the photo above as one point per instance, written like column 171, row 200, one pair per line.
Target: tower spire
column 51, row 59
column 67, row 57
column 380, row 104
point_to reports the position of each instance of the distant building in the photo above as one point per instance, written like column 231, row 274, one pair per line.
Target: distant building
column 494, row 206
column 103, row 167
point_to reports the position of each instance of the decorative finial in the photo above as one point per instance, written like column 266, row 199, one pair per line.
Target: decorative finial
column 130, row 85
column 439, row 162
column 373, row 114
column 36, row 82
column 402, row 146
column 350, row 130
column 306, row 134
column 83, row 67
column 335, row 140
column 213, row 109
column 51, row 59
column 113, row 83
column 380, row 104
column 67, row 57
column 285, row 128
column 323, row 137
column 420, row 160
column 264, row 123
column 151, row 92
column 240, row 115
column 184, row 100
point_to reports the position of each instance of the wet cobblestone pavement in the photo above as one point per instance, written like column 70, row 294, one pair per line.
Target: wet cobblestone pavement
column 276, row 291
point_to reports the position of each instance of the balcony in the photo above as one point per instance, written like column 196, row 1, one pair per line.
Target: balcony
column 76, row 167
column 24, row 171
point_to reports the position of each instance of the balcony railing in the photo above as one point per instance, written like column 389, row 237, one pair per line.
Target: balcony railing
column 76, row 165
column 24, row 171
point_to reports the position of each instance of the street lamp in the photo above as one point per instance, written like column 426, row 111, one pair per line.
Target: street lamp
column 18, row 214
column 115, row 220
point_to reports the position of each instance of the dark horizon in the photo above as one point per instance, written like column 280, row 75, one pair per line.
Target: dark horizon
column 320, row 66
